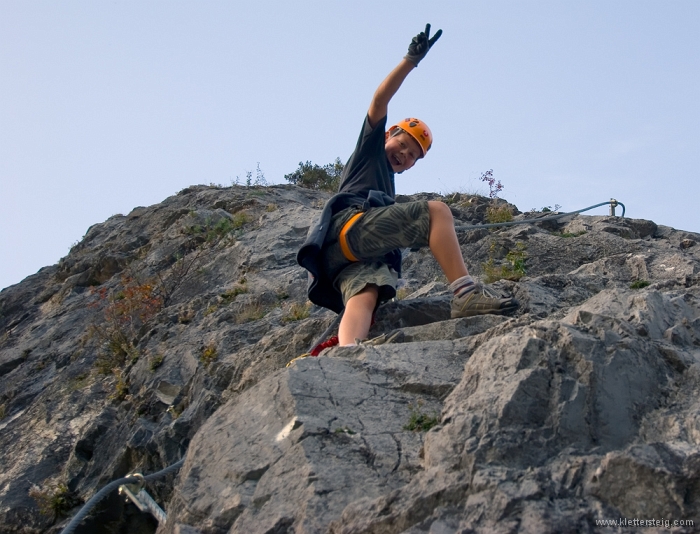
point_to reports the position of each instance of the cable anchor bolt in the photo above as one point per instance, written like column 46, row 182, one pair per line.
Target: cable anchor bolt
column 141, row 498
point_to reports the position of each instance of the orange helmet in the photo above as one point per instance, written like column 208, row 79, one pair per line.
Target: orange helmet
column 418, row 130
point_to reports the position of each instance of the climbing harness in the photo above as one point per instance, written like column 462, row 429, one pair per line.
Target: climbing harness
column 343, row 240
column 613, row 204
column 138, row 480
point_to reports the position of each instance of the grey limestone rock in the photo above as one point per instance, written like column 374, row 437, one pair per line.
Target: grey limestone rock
column 167, row 333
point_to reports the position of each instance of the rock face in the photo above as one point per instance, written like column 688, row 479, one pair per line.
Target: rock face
column 166, row 334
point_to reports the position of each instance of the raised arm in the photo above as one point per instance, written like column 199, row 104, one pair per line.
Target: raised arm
column 417, row 50
column 386, row 90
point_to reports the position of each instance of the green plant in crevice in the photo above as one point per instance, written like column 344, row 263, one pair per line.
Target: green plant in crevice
column 175, row 411
column 229, row 296
column 155, row 361
column 240, row 219
column 296, row 312
column 250, row 312
column 516, row 259
column 639, row 284
column 418, row 421
column 54, row 500
column 219, row 230
column 121, row 386
column 498, row 214
column 513, row 269
column 403, row 292
column 209, row 354
column 211, row 233
column 77, row 383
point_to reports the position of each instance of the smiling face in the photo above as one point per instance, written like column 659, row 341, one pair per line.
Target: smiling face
column 402, row 151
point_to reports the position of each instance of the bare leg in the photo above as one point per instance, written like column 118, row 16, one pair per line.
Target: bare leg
column 443, row 241
column 444, row 246
column 358, row 315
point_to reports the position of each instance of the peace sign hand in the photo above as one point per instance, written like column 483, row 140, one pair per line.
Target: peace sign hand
column 420, row 45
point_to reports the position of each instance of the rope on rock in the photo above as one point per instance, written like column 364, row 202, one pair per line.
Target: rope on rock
column 318, row 345
column 613, row 204
column 77, row 518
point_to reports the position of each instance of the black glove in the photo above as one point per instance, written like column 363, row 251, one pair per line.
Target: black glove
column 420, row 45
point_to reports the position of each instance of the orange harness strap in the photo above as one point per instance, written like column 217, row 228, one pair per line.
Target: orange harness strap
column 343, row 240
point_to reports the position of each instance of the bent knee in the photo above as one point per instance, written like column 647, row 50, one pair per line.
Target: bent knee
column 369, row 289
column 439, row 209
column 368, row 294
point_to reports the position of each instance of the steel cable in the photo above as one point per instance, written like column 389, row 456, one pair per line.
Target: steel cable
column 541, row 219
column 77, row 518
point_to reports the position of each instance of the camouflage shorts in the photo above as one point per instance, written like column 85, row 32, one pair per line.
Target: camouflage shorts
column 356, row 276
column 375, row 234
column 381, row 230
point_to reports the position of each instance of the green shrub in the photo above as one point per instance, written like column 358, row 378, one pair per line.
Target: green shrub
column 498, row 214
column 312, row 176
column 239, row 220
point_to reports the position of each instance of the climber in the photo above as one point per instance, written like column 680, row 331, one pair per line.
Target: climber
column 353, row 251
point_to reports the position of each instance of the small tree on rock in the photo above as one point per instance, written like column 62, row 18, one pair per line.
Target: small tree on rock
column 312, row 176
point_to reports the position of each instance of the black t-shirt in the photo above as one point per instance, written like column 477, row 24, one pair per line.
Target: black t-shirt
column 368, row 168
column 367, row 181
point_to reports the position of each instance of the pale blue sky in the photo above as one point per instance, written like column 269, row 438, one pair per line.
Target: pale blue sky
column 105, row 106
